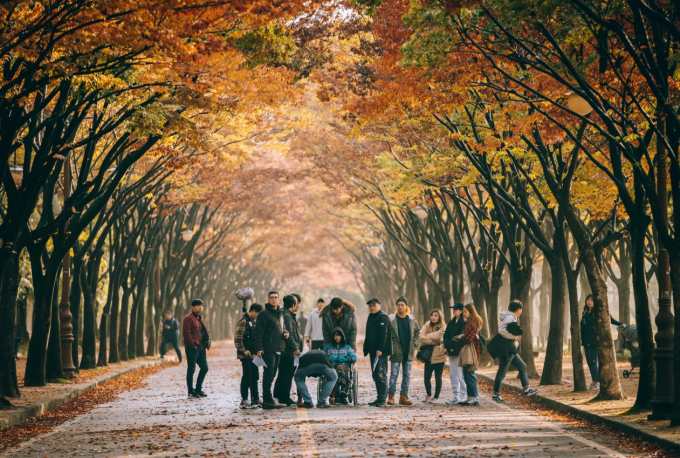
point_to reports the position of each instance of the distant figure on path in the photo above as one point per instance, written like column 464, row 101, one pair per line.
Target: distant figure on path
column 378, row 347
column 314, row 328
column 196, row 345
column 301, row 320
column 243, row 341
column 170, row 335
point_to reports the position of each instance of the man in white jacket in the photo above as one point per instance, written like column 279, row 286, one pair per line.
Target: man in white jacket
column 508, row 354
column 314, row 329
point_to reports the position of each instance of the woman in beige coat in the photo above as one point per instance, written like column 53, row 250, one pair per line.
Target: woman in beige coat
column 432, row 333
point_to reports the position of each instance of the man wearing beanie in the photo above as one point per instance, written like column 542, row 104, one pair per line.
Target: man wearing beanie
column 453, row 329
column 405, row 343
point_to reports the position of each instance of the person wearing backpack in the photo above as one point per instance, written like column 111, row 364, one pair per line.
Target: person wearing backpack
column 509, row 336
column 243, row 340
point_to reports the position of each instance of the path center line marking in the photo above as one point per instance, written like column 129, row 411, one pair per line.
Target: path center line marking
column 306, row 435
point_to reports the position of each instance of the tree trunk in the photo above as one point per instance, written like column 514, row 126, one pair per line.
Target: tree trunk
column 647, row 383
column 552, row 369
column 113, row 324
column 575, row 328
column 123, row 326
column 88, row 360
column 75, row 299
column 139, row 329
column 520, row 282
column 8, row 304
column 53, row 365
column 544, row 300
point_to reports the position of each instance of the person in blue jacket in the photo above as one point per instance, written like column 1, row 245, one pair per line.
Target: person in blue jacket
column 342, row 356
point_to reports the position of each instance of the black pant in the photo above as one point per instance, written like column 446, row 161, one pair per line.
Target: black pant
column 317, row 345
column 272, row 361
column 172, row 341
column 251, row 375
column 380, row 376
column 438, row 369
column 285, row 378
column 196, row 356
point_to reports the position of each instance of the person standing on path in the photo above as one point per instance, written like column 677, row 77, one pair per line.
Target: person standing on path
column 170, row 335
column 378, row 346
column 284, row 381
column 269, row 341
column 589, row 341
column 508, row 350
column 473, row 324
column 405, row 343
column 432, row 333
column 243, row 340
column 314, row 328
column 301, row 320
column 315, row 363
column 339, row 314
column 196, row 345
column 455, row 328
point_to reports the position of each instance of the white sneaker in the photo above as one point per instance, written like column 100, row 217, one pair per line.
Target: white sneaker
column 451, row 401
column 593, row 387
column 462, row 398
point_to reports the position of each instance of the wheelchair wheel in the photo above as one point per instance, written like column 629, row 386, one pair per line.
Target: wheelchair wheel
column 319, row 385
column 626, row 374
column 355, row 387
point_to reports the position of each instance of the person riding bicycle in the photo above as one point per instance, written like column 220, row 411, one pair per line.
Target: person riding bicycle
column 343, row 357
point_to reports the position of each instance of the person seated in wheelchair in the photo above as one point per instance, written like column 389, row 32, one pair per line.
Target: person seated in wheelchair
column 343, row 357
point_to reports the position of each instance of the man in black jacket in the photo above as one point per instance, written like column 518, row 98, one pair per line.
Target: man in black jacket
column 293, row 345
column 170, row 335
column 453, row 329
column 378, row 345
column 315, row 363
column 268, row 342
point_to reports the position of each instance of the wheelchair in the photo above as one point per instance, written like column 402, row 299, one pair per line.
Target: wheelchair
column 352, row 388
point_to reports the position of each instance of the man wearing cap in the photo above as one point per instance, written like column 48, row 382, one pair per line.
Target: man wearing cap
column 196, row 344
column 378, row 344
column 453, row 329
column 405, row 344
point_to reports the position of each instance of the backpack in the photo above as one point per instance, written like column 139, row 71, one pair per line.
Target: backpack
column 482, row 343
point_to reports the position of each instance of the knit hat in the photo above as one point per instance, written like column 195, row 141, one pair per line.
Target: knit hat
column 402, row 299
column 458, row 306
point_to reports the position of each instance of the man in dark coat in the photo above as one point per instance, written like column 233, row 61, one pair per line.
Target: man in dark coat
column 170, row 335
column 243, row 340
column 339, row 314
column 269, row 341
column 284, row 380
column 378, row 346
column 454, row 328
column 315, row 363
column 196, row 345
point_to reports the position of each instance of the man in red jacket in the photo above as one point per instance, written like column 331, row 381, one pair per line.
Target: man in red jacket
column 196, row 343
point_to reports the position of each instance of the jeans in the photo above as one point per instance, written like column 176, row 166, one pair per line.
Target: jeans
column 172, row 341
column 268, row 375
column 593, row 363
column 470, row 383
column 405, row 378
column 196, row 356
column 313, row 370
column 456, row 376
column 285, row 378
column 503, row 367
column 438, row 370
column 380, row 376
column 251, row 375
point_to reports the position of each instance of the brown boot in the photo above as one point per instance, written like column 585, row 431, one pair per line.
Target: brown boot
column 404, row 400
column 390, row 400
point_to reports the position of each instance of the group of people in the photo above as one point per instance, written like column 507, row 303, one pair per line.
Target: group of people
column 272, row 334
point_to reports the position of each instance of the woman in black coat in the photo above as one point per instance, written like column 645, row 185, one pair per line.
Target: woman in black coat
column 590, row 343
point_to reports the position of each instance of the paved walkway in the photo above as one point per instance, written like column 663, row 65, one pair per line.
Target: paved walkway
column 159, row 419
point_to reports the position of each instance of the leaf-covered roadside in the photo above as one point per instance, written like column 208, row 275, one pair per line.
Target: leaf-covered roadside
column 620, row 441
column 106, row 392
